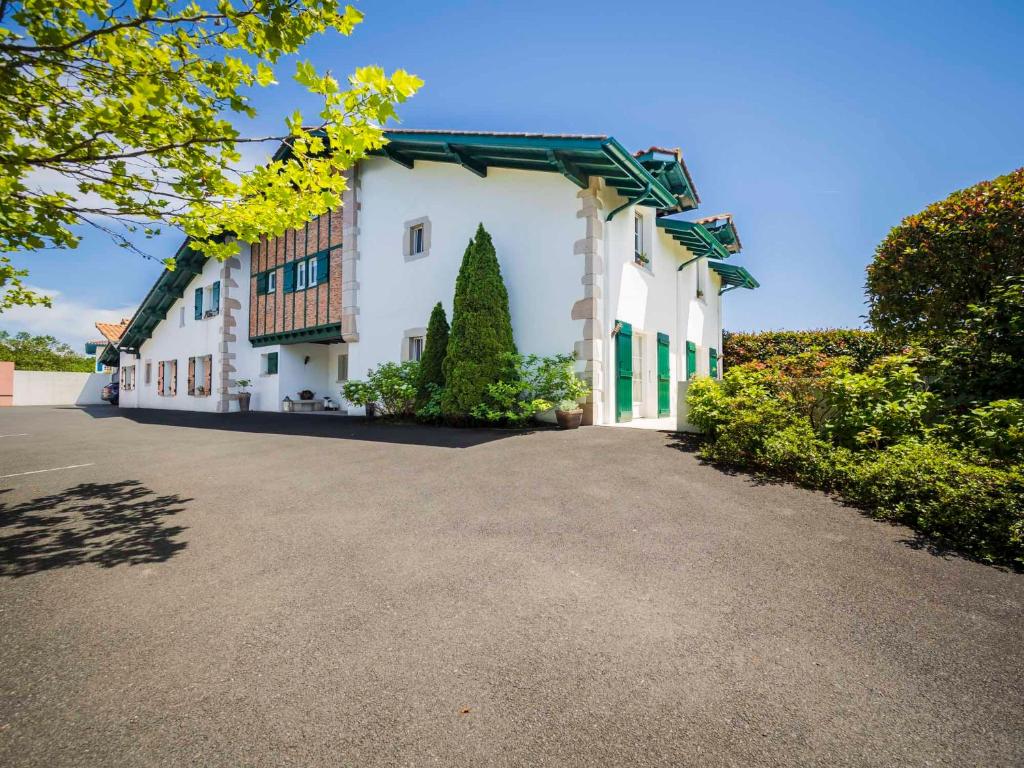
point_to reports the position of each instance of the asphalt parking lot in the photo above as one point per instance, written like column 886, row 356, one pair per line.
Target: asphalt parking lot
column 270, row 590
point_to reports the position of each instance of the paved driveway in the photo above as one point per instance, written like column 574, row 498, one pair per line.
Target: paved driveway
column 313, row 591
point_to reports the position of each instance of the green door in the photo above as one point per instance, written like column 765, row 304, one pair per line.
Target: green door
column 664, row 384
column 691, row 360
column 713, row 362
column 624, row 372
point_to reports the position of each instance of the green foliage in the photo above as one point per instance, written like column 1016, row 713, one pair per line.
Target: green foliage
column 996, row 429
column 887, row 402
column 481, row 332
column 431, row 375
column 954, row 253
column 983, row 358
column 552, row 378
column 863, row 347
column 42, row 353
column 130, row 113
column 391, row 387
column 938, row 490
column 508, row 403
column 880, row 439
column 431, row 411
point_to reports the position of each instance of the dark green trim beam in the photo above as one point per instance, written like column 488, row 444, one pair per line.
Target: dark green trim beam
column 321, row 333
column 733, row 277
column 110, row 356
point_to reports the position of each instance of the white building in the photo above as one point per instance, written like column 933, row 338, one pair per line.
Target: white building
column 594, row 259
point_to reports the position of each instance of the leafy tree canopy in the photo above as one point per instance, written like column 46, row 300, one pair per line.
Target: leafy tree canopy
column 42, row 353
column 936, row 263
column 123, row 116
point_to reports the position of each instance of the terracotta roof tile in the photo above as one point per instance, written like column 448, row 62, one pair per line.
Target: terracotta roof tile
column 113, row 332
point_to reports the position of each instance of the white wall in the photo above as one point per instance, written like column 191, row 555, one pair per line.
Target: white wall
column 172, row 340
column 655, row 299
column 58, row 388
column 532, row 220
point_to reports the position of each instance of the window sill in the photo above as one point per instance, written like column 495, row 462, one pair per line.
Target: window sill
column 643, row 267
column 416, row 256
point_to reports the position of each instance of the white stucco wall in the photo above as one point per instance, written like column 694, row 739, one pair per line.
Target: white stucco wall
column 174, row 340
column 531, row 218
column 58, row 388
column 655, row 299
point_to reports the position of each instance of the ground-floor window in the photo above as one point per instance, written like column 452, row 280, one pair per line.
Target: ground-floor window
column 167, row 378
column 148, row 373
column 343, row 366
column 415, row 348
column 638, row 368
column 268, row 364
column 127, row 378
column 200, row 376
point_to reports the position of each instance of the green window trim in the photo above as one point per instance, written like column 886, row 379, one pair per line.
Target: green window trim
column 323, row 270
column 624, row 371
column 664, row 376
column 199, row 304
column 713, row 363
column 691, row 360
column 271, row 363
column 216, row 297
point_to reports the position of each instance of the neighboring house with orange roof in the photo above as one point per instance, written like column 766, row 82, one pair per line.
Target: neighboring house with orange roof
column 105, row 349
column 593, row 247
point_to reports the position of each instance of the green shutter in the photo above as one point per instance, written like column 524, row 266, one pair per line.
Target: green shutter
column 289, row 277
column 691, row 360
column 272, row 362
column 323, row 266
column 664, row 378
column 199, row 303
column 713, row 362
column 216, row 297
column 261, row 283
column 624, row 372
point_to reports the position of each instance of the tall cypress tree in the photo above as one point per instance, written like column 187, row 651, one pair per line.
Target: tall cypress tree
column 432, row 361
column 481, row 332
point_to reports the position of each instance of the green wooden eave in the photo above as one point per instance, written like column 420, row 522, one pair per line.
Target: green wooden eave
column 733, row 276
column 669, row 169
column 91, row 347
column 695, row 237
column 110, row 356
column 577, row 157
column 169, row 287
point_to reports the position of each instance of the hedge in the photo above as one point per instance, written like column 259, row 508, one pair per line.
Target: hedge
column 863, row 346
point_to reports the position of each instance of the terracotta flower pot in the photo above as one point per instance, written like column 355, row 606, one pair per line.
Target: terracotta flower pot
column 243, row 401
column 569, row 419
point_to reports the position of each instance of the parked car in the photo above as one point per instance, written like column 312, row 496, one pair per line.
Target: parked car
column 110, row 393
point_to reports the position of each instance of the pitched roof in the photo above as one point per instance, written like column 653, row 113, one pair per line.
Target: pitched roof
column 113, row 332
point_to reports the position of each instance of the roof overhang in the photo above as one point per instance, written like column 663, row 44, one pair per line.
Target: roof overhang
column 667, row 166
column 696, row 237
column 723, row 227
column 110, row 356
column 733, row 277
column 169, row 287
column 577, row 157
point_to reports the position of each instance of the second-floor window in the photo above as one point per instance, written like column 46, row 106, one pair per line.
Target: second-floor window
column 639, row 249
column 306, row 273
column 207, row 301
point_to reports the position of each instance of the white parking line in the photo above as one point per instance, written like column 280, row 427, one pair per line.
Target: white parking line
column 18, row 434
column 55, row 469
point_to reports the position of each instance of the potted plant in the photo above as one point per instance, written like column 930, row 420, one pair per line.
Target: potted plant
column 642, row 258
column 569, row 414
column 307, row 394
column 244, row 396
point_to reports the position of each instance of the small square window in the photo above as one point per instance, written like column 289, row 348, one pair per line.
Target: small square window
column 416, row 239
column 311, row 272
column 181, row 318
column 300, row 275
column 148, row 372
column 415, row 347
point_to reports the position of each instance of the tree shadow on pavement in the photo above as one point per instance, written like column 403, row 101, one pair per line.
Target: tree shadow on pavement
column 105, row 524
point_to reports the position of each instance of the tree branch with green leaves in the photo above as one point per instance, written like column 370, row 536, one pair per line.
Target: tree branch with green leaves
column 125, row 115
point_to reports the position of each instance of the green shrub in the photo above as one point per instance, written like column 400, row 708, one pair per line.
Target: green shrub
column 430, row 379
column 932, row 487
column 390, row 387
column 508, row 403
column 885, row 403
column 863, row 347
column 481, row 331
column 997, row 429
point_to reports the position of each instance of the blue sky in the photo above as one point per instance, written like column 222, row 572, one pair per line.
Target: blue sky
column 819, row 125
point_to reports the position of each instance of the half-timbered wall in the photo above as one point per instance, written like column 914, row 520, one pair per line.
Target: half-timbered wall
column 300, row 309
